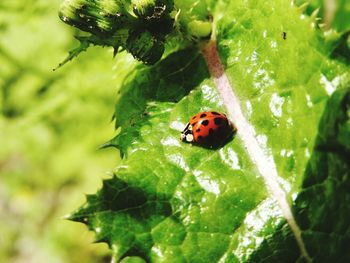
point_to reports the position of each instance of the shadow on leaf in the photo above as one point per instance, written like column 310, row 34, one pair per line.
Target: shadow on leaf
column 321, row 209
column 168, row 81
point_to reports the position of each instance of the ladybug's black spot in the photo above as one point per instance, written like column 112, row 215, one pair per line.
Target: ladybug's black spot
column 198, row 130
column 193, row 124
column 215, row 113
column 193, row 117
column 203, row 115
column 218, row 121
column 205, row 122
column 211, row 131
column 200, row 138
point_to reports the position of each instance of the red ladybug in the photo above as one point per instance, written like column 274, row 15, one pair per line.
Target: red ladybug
column 209, row 129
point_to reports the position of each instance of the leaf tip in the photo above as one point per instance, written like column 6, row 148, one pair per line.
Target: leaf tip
column 84, row 44
column 66, row 217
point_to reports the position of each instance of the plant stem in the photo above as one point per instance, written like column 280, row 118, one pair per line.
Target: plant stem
column 264, row 163
column 330, row 7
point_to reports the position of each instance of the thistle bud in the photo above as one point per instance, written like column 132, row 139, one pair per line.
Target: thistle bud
column 99, row 17
column 199, row 29
column 152, row 9
column 145, row 47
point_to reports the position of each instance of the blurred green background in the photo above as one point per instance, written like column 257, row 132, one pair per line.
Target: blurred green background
column 51, row 124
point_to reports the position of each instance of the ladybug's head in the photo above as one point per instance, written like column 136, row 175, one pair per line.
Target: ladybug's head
column 186, row 134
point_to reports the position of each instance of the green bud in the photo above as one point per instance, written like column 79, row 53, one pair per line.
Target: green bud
column 145, row 47
column 152, row 9
column 198, row 28
column 99, row 17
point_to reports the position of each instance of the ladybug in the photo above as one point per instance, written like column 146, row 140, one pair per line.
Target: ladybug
column 209, row 129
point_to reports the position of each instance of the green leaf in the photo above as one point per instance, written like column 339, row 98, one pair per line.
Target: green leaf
column 166, row 200
column 172, row 202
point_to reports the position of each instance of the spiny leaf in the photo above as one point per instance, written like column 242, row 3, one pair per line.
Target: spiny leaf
column 84, row 44
column 173, row 202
